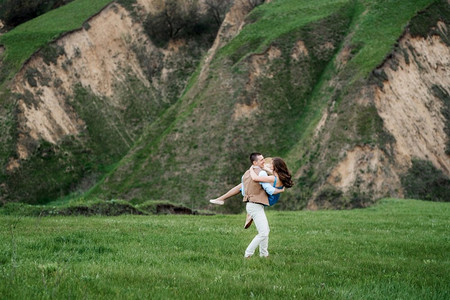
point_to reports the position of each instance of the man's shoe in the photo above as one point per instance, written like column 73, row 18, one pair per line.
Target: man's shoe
column 218, row 202
column 248, row 221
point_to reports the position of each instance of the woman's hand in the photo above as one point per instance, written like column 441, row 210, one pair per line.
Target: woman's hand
column 268, row 170
column 277, row 191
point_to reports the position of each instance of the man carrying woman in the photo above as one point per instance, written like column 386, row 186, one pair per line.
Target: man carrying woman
column 260, row 190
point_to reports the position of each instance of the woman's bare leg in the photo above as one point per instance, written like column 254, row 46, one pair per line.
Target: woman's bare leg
column 234, row 191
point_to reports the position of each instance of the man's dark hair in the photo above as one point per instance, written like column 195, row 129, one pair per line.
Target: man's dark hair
column 254, row 156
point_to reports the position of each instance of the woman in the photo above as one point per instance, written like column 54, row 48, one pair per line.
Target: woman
column 280, row 179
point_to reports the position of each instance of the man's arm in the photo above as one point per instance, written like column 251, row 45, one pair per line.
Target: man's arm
column 255, row 177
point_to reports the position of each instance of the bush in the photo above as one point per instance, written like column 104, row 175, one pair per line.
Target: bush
column 424, row 181
column 329, row 196
column 90, row 208
column 95, row 208
column 15, row 12
column 440, row 92
column 176, row 20
column 164, row 207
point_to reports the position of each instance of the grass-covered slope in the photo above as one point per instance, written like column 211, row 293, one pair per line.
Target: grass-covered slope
column 27, row 38
column 397, row 249
column 206, row 139
column 266, row 91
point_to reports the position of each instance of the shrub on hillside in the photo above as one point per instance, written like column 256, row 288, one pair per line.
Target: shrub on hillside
column 89, row 208
column 441, row 93
column 164, row 207
column 424, row 181
column 329, row 196
column 251, row 4
column 96, row 207
column 15, row 12
column 182, row 19
column 332, row 197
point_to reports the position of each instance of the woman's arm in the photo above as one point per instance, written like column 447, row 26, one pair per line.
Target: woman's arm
column 277, row 191
column 255, row 177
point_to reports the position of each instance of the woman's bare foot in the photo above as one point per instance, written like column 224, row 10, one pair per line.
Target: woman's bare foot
column 218, row 202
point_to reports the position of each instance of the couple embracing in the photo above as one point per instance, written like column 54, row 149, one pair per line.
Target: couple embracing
column 260, row 189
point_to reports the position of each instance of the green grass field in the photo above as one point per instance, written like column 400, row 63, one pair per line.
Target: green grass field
column 398, row 249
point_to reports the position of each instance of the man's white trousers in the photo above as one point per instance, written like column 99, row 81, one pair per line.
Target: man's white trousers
column 256, row 211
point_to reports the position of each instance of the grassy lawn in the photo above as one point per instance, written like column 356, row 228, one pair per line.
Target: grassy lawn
column 398, row 249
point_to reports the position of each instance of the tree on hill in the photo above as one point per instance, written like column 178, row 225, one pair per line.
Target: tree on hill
column 15, row 12
column 181, row 19
column 253, row 3
column 217, row 10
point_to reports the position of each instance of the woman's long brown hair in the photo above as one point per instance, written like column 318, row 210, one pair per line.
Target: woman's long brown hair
column 282, row 170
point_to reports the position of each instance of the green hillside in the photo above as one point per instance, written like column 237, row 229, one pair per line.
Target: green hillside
column 198, row 149
column 397, row 249
column 185, row 137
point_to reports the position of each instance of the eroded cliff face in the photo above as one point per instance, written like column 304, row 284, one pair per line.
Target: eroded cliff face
column 367, row 168
column 410, row 109
column 96, row 57
column 412, row 114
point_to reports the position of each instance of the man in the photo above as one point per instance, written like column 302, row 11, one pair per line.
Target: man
column 255, row 195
